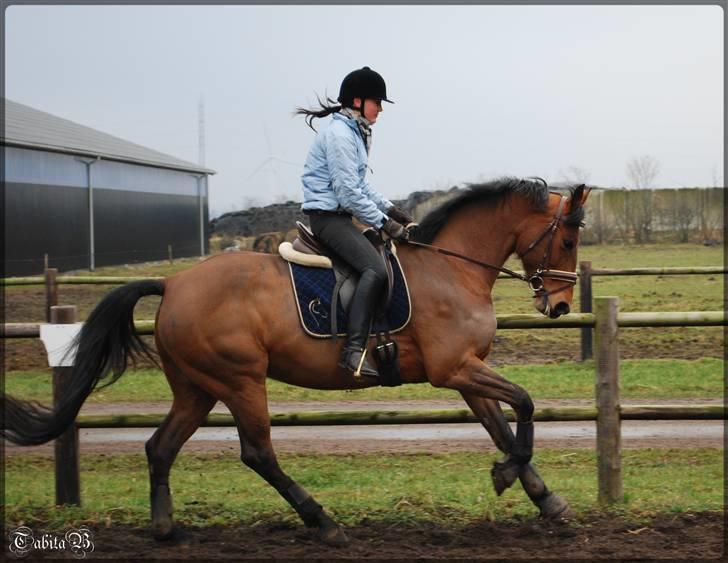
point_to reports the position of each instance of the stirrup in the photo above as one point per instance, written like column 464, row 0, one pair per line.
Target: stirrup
column 362, row 368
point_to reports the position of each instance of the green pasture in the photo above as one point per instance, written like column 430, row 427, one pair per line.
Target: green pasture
column 449, row 488
column 640, row 379
column 636, row 293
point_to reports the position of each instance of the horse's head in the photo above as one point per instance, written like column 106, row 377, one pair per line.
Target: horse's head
column 547, row 247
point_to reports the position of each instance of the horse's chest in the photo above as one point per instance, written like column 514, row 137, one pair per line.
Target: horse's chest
column 474, row 324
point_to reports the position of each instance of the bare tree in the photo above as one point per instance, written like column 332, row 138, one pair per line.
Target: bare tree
column 643, row 170
column 710, row 209
column 575, row 175
column 619, row 205
column 639, row 212
column 683, row 212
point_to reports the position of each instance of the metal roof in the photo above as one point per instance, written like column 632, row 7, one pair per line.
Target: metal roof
column 31, row 128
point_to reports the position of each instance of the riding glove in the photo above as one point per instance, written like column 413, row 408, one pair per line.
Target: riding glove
column 395, row 230
column 400, row 215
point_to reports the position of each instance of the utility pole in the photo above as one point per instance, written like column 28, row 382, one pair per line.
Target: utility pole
column 201, row 131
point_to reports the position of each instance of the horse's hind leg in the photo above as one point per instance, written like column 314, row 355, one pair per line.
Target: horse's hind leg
column 491, row 416
column 189, row 409
column 250, row 409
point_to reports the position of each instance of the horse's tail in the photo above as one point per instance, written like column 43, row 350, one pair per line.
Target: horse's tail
column 106, row 343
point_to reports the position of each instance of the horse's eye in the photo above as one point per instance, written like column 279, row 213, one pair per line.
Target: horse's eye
column 568, row 244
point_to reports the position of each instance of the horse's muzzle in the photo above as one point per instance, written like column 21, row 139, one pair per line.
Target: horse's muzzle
column 561, row 308
column 541, row 302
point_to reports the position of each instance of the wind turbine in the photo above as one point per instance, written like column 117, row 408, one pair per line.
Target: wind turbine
column 270, row 161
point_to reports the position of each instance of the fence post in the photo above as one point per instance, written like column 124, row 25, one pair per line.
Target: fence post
column 169, row 253
column 585, row 303
column 51, row 291
column 68, row 489
column 609, row 454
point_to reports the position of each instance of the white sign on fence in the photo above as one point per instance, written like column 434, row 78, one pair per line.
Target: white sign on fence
column 58, row 340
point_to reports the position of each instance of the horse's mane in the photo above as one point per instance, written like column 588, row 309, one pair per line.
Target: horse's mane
column 490, row 193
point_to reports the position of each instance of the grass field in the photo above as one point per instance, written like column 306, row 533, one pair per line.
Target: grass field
column 640, row 379
column 451, row 488
column 636, row 293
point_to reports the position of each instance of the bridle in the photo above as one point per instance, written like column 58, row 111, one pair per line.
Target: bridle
column 536, row 280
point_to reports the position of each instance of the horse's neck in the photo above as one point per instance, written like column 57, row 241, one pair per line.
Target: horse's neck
column 485, row 233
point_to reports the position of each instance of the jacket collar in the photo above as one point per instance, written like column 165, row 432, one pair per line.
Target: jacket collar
column 350, row 122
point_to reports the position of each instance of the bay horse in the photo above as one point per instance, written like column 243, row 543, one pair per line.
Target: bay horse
column 227, row 324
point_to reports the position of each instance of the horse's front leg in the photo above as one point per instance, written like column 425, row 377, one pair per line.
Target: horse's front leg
column 475, row 379
column 504, row 472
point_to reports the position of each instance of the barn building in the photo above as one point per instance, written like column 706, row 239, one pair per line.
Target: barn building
column 86, row 198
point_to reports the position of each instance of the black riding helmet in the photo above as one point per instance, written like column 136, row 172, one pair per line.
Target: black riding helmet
column 362, row 83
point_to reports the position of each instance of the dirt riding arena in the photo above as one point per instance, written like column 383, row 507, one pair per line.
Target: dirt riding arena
column 676, row 537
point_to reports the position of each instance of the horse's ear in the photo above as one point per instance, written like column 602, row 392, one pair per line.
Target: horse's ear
column 579, row 197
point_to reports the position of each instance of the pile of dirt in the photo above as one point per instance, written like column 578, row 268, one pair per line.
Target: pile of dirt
column 597, row 536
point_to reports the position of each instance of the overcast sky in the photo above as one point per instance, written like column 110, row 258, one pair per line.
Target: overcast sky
column 480, row 91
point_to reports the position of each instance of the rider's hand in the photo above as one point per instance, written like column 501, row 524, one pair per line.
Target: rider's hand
column 395, row 230
column 400, row 215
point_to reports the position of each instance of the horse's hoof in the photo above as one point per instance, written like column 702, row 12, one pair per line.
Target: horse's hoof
column 504, row 473
column 333, row 536
column 554, row 507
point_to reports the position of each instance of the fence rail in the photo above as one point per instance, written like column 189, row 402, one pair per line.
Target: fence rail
column 80, row 280
column 114, row 280
column 505, row 322
column 444, row 416
column 658, row 271
column 586, row 272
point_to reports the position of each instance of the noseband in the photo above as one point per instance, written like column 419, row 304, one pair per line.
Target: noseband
column 536, row 280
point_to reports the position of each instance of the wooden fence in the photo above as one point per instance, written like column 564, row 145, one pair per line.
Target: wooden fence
column 51, row 280
column 608, row 413
column 587, row 272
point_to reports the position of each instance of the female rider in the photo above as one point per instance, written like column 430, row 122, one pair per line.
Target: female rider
column 335, row 190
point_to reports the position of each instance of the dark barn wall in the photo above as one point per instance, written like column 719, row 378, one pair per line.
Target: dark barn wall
column 41, row 219
column 129, row 227
column 138, row 212
column 134, row 226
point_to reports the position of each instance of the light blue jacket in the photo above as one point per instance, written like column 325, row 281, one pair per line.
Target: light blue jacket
column 334, row 174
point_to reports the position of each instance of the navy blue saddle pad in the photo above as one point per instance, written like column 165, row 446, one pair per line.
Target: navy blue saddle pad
column 313, row 288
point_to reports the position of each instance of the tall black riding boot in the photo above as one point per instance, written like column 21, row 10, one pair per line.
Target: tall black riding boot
column 353, row 356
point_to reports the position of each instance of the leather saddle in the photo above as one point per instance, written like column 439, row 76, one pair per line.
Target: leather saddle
column 308, row 250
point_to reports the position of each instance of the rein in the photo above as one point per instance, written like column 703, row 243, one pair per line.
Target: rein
column 468, row 259
column 536, row 281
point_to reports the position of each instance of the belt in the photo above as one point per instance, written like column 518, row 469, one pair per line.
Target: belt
column 340, row 213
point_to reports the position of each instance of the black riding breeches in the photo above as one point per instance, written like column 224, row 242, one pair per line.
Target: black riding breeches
column 340, row 235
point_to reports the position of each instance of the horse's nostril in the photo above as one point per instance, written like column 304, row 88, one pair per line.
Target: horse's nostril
column 562, row 308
